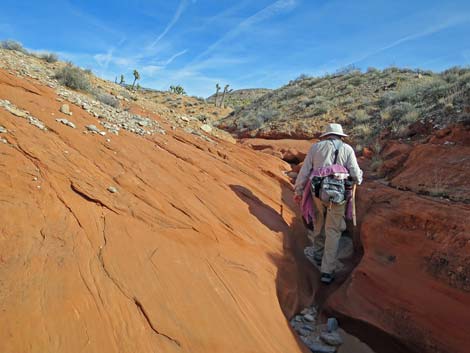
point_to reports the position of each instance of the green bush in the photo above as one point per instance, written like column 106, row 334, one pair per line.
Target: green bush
column 361, row 116
column 356, row 80
column 73, row 77
column 321, row 108
column 107, row 99
column 410, row 117
column 398, row 110
column 13, row 45
column 292, row 92
column 49, row 57
column 362, row 130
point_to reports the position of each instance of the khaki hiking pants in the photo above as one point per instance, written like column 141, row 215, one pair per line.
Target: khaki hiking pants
column 329, row 224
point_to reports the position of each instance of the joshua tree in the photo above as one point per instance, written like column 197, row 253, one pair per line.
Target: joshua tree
column 177, row 89
column 217, row 87
column 136, row 77
column 122, row 80
column 226, row 90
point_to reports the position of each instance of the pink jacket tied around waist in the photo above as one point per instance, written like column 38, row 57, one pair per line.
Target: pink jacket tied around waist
column 307, row 197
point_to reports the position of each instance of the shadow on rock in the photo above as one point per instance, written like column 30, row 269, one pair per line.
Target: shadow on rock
column 264, row 213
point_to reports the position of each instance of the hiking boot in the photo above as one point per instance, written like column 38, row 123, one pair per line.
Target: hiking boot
column 327, row 278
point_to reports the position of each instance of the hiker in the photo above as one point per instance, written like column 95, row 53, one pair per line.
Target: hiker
column 329, row 168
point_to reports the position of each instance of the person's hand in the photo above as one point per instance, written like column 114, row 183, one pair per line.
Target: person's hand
column 297, row 199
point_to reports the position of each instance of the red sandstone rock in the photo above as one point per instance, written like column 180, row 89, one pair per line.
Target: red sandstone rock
column 292, row 151
column 183, row 258
column 413, row 281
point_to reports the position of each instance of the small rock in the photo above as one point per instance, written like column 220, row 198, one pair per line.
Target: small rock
column 102, row 133
column 309, row 317
column 112, row 190
column 66, row 122
column 93, row 128
column 2, row 140
column 184, row 118
column 3, row 130
column 332, row 324
column 108, row 140
column 38, row 123
column 317, row 347
column 65, row 109
column 332, row 338
column 206, row 127
column 35, row 179
column 16, row 112
column 303, row 332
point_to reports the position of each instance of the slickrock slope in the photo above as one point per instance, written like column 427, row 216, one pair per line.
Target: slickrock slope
column 413, row 281
column 160, row 243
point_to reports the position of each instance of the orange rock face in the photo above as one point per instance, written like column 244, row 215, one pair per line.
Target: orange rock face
column 291, row 151
column 413, row 281
column 167, row 243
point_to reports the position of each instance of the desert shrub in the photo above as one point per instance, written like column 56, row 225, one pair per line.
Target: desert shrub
column 436, row 88
column 361, row 116
column 452, row 74
column 410, row 117
column 267, row 114
column 292, row 92
column 348, row 101
column 387, row 99
column 410, row 93
column 391, row 69
column 372, row 70
column 385, row 115
column 251, row 122
column 312, row 81
column 49, row 57
column 73, row 77
column 367, row 101
column 398, row 110
column 399, row 129
column 321, row 108
column 362, row 130
column 13, row 45
column 301, row 77
column 349, row 69
column 356, row 80
column 464, row 80
column 107, row 99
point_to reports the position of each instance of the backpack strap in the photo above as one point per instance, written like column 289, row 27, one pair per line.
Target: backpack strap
column 336, row 149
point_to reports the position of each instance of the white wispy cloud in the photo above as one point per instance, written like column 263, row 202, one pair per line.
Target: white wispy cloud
column 179, row 11
column 448, row 23
column 173, row 57
column 264, row 14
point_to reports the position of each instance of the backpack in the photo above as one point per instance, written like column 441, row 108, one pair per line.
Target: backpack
column 332, row 188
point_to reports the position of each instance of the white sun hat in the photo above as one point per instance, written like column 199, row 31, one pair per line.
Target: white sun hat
column 333, row 129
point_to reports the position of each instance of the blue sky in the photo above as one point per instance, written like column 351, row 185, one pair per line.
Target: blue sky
column 244, row 43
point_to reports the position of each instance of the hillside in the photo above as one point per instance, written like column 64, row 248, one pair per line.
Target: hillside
column 181, row 111
column 241, row 97
column 397, row 103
